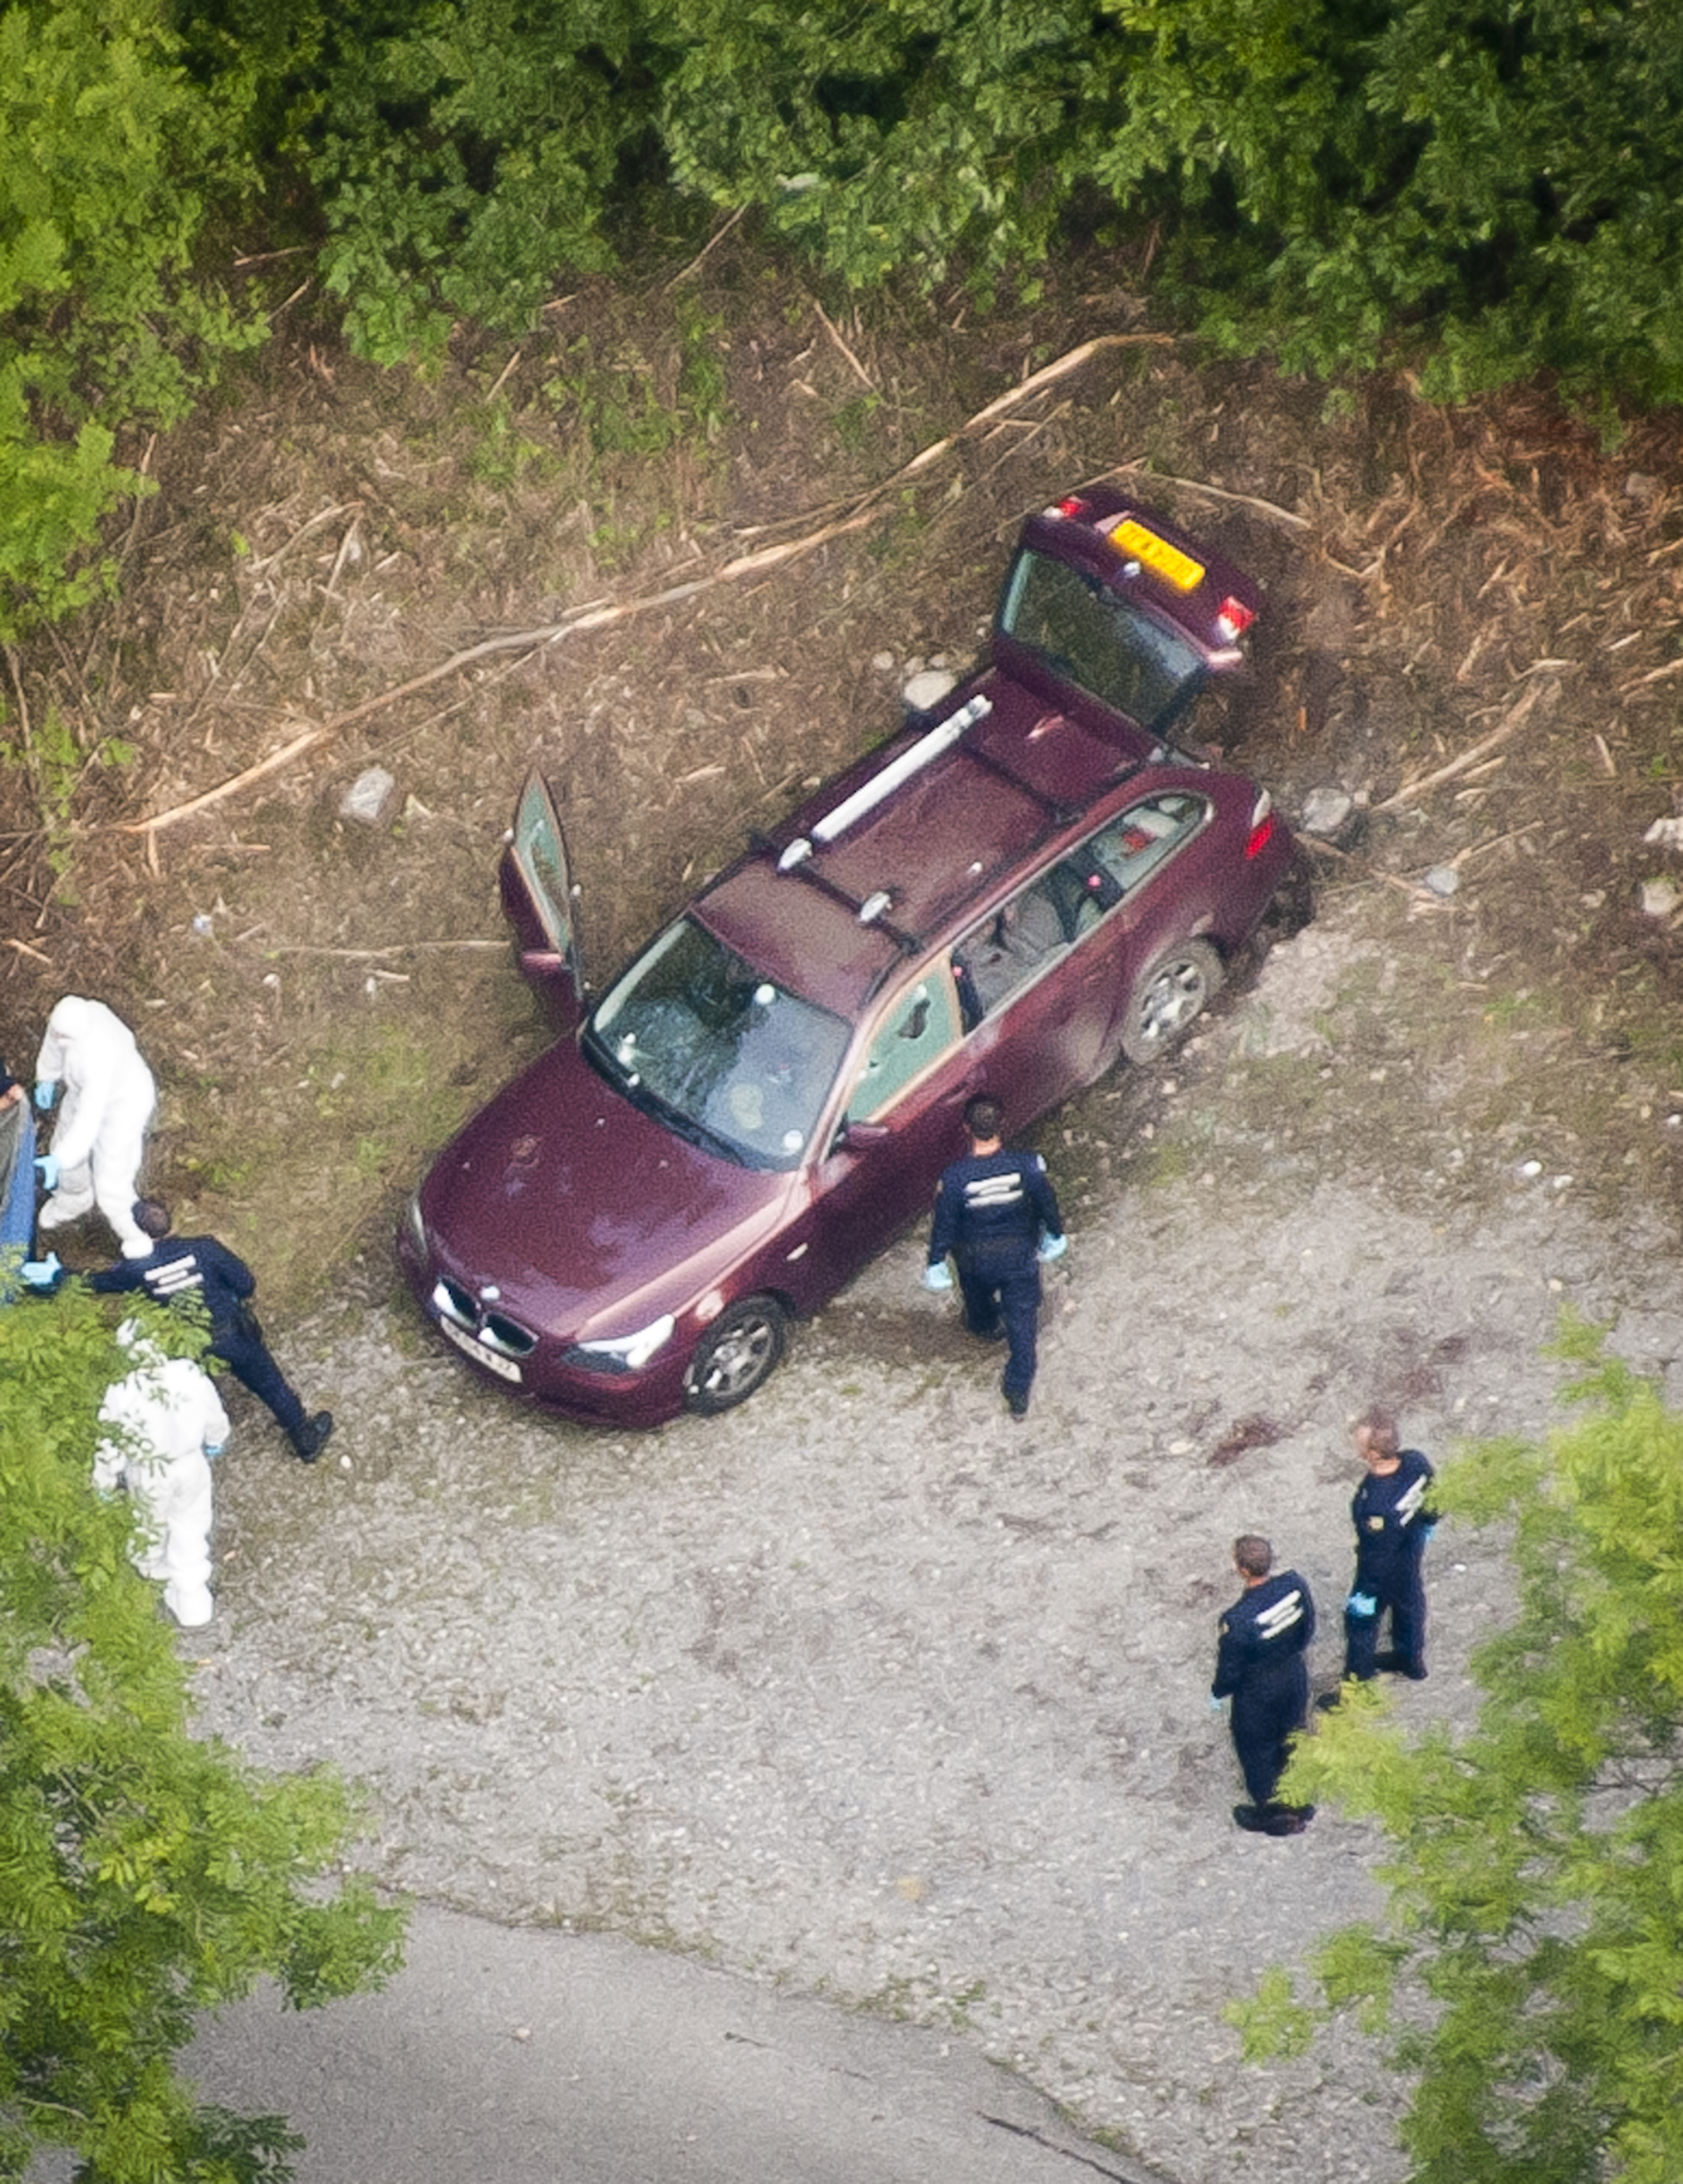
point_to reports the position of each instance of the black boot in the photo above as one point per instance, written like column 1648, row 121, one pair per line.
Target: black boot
column 311, row 1437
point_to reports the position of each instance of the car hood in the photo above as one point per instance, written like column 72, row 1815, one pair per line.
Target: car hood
column 589, row 1217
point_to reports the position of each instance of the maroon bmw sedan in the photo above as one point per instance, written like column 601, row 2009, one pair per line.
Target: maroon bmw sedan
column 1027, row 882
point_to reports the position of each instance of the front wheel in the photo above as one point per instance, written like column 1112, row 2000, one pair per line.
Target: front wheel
column 737, row 1355
column 1168, row 996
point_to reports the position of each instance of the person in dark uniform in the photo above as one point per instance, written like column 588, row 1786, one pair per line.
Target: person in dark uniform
column 179, row 1268
column 1261, row 1666
column 1392, row 1525
column 997, row 1214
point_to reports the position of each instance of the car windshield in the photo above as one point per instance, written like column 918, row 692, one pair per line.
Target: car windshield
column 1093, row 637
column 731, row 1058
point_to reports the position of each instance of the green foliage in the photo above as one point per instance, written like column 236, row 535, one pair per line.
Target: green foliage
column 1493, row 191
column 55, row 764
column 1528, row 1974
column 108, row 158
column 466, row 150
column 147, row 1874
column 919, row 135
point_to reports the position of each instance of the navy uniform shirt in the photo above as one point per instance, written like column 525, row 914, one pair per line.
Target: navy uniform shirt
column 184, row 1267
column 990, row 1206
column 1266, row 1630
column 1391, row 1518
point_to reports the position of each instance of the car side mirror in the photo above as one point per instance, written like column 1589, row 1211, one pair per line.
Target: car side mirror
column 857, row 1136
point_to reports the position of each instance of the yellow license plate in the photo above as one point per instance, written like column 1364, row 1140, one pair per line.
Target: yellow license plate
column 1175, row 567
column 505, row 1366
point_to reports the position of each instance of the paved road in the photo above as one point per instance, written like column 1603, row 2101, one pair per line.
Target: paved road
column 510, row 2056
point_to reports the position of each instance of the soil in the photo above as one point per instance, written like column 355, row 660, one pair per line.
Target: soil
column 864, row 1688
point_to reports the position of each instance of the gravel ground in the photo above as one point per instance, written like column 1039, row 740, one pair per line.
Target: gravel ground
column 867, row 1690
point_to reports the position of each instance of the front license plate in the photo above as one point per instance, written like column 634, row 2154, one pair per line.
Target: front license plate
column 505, row 1367
column 1177, row 568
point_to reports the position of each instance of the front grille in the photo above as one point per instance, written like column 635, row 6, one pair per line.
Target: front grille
column 494, row 1329
column 451, row 1299
column 507, row 1335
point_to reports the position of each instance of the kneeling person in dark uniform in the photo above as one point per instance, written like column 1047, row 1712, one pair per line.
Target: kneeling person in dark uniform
column 199, row 1267
column 1260, row 1665
column 997, row 1214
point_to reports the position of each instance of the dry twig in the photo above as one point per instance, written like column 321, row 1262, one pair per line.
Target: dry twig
column 831, row 328
column 1510, row 722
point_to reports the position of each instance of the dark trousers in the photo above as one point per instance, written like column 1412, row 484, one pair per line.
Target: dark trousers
column 1266, row 1714
column 1401, row 1593
column 999, row 1290
column 247, row 1358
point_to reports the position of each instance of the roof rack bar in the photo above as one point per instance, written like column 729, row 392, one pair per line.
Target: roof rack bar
column 924, row 752
column 906, row 942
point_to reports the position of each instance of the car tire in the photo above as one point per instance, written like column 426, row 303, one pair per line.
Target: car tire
column 739, row 1354
column 1168, row 996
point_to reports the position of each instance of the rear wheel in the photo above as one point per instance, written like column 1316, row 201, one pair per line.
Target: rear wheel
column 1167, row 997
column 737, row 1355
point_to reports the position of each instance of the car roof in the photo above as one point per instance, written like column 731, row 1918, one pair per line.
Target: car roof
column 829, row 918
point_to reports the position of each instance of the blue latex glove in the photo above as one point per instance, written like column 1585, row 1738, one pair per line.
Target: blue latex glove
column 1216, row 1705
column 938, row 1277
column 42, row 1273
column 214, row 1449
column 1050, row 1248
column 46, row 1092
column 1362, row 1606
column 49, row 1165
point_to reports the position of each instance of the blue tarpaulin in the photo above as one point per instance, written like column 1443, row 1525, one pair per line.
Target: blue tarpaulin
column 17, row 1193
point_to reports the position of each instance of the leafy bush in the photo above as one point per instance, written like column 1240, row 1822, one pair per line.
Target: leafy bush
column 107, row 159
column 148, row 1872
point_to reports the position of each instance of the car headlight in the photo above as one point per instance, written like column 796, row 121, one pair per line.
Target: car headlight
column 625, row 1353
column 417, row 1228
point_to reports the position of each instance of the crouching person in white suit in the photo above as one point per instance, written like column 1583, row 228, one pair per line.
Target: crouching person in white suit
column 100, row 1134
column 163, row 1422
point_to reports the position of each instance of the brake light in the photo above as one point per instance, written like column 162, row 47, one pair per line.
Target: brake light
column 1073, row 505
column 1234, row 618
column 1262, row 825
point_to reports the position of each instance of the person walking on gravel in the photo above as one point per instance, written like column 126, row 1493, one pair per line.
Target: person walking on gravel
column 179, row 1268
column 997, row 1214
column 1260, row 1665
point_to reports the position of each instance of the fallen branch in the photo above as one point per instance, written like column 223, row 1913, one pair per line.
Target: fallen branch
column 373, row 955
column 1457, row 766
column 865, row 510
column 1215, row 492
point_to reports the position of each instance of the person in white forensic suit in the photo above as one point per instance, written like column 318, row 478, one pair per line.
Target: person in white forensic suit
column 100, row 1134
column 164, row 1421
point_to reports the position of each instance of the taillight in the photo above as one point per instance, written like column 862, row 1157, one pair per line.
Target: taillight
column 1234, row 618
column 1262, row 825
column 1073, row 505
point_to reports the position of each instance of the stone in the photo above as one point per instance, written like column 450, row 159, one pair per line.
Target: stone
column 1325, row 810
column 926, row 690
column 370, row 798
column 1660, row 898
column 1444, row 880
